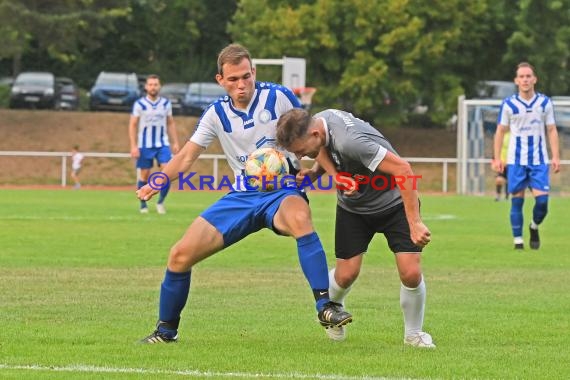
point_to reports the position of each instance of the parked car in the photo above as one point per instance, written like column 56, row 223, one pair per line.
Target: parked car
column 200, row 95
column 33, row 90
column 175, row 92
column 114, row 91
column 68, row 94
column 142, row 82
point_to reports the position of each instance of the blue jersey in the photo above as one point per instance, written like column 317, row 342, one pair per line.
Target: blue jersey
column 527, row 121
column 242, row 131
column 153, row 116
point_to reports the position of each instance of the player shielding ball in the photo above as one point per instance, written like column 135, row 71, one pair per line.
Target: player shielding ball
column 341, row 142
column 243, row 121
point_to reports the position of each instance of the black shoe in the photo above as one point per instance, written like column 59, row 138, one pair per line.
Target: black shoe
column 534, row 238
column 159, row 337
column 519, row 246
column 333, row 315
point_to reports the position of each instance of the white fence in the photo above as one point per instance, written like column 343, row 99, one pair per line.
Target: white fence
column 214, row 157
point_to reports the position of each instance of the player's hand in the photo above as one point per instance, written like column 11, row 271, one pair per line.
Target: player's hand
column 135, row 152
column 146, row 192
column 555, row 165
column 303, row 174
column 498, row 166
column 346, row 184
column 420, row 234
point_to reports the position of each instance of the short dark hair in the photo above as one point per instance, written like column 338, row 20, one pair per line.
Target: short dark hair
column 525, row 64
column 232, row 54
column 292, row 125
column 152, row 76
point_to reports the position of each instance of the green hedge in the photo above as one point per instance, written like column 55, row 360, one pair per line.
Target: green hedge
column 4, row 96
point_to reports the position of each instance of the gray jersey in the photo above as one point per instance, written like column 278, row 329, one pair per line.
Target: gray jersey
column 357, row 148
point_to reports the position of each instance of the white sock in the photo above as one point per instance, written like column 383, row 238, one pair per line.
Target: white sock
column 533, row 225
column 336, row 293
column 518, row 240
column 412, row 302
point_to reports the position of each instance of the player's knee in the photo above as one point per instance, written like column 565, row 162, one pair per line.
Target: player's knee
column 540, row 208
column 178, row 259
column 411, row 277
column 301, row 220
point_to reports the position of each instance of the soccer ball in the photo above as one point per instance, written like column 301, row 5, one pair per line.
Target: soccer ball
column 264, row 167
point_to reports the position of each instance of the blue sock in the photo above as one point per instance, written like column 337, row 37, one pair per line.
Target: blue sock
column 139, row 185
column 163, row 193
column 517, row 216
column 314, row 265
column 540, row 208
column 173, row 295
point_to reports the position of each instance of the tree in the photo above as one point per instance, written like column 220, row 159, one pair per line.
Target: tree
column 543, row 39
column 359, row 50
column 57, row 29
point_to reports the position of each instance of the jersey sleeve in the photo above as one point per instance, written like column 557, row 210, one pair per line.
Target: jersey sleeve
column 137, row 109
column 549, row 113
column 206, row 129
column 369, row 152
column 286, row 100
column 504, row 114
column 168, row 106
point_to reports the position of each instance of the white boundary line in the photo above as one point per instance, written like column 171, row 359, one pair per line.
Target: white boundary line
column 190, row 372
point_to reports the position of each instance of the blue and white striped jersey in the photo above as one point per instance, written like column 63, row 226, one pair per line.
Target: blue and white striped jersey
column 152, row 132
column 242, row 131
column 527, row 122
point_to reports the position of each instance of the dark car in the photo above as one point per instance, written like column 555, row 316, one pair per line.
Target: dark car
column 200, row 95
column 68, row 94
column 33, row 90
column 175, row 92
column 114, row 91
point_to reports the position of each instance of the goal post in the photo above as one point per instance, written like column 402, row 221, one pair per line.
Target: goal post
column 293, row 70
column 472, row 117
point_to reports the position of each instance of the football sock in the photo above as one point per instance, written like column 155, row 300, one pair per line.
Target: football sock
column 336, row 292
column 314, row 265
column 540, row 210
column 498, row 190
column 139, row 185
column 412, row 302
column 173, row 295
column 163, row 193
column 517, row 216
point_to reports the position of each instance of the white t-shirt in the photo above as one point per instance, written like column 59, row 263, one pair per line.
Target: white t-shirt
column 76, row 159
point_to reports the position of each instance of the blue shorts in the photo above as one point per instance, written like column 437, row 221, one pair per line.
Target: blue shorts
column 522, row 176
column 147, row 156
column 240, row 213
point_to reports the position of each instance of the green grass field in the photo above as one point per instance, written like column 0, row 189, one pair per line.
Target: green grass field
column 80, row 273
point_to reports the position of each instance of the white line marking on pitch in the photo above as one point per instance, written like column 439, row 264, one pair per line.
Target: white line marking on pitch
column 95, row 369
column 439, row 217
